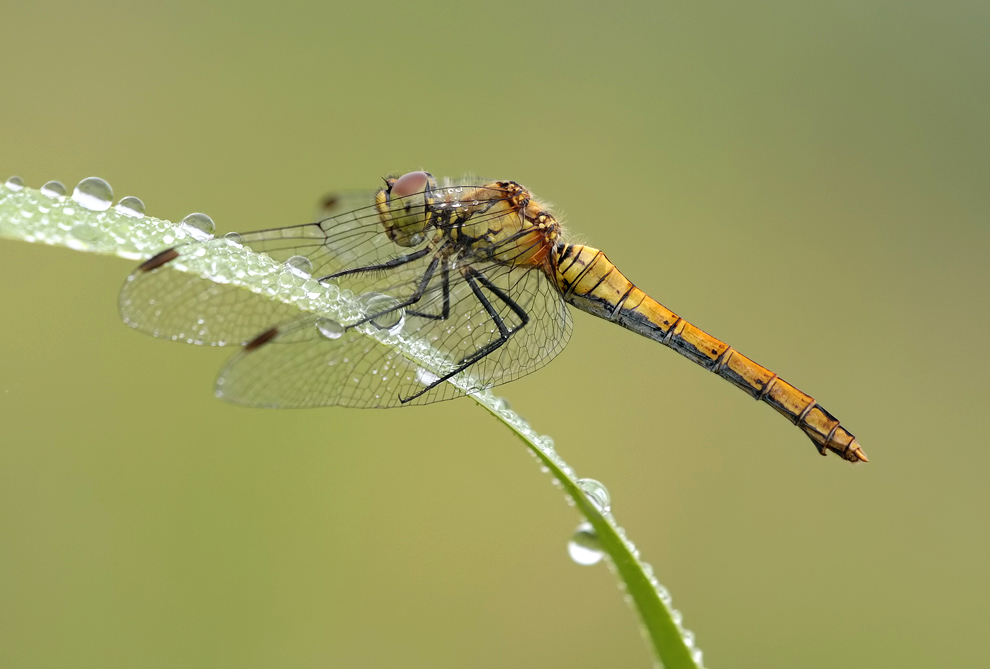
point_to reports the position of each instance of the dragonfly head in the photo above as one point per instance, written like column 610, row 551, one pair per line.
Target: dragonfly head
column 405, row 207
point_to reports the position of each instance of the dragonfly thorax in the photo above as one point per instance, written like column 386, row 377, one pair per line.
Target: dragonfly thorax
column 501, row 221
column 495, row 221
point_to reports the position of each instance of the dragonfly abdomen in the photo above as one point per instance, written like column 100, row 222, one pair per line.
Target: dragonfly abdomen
column 589, row 281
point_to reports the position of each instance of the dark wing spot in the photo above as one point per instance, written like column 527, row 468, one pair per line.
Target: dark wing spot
column 159, row 259
column 261, row 340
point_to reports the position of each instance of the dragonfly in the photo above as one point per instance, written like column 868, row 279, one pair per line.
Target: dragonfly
column 479, row 271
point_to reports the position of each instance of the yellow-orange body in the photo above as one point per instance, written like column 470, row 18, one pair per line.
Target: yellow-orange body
column 478, row 271
column 590, row 282
column 498, row 221
column 514, row 229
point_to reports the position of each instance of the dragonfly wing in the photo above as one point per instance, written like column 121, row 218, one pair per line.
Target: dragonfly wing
column 301, row 367
column 165, row 298
column 182, row 306
column 341, row 201
column 350, row 368
column 487, row 321
column 523, row 301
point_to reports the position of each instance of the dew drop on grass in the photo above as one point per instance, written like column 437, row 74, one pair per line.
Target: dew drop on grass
column 14, row 183
column 584, row 546
column 198, row 226
column 330, row 328
column 425, row 377
column 502, row 404
column 93, row 193
column 54, row 190
column 300, row 266
column 384, row 308
column 85, row 232
column 596, row 493
column 130, row 206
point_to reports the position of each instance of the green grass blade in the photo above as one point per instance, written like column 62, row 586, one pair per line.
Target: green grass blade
column 92, row 225
column 672, row 644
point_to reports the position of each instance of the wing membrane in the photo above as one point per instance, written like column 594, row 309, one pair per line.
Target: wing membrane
column 502, row 324
column 309, row 369
column 171, row 303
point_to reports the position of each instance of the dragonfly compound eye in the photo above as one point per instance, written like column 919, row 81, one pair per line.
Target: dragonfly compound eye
column 412, row 183
column 409, row 202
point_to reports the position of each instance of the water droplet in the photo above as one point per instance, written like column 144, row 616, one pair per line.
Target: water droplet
column 425, row 377
column 233, row 238
column 596, row 493
column 130, row 206
column 85, row 232
column 688, row 637
column 501, row 404
column 93, row 193
column 584, row 546
column 330, row 328
column 14, row 183
column 697, row 657
column 54, row 189
column 300, row 266
column 198, row 226
column 313, row 289
column 384, row 312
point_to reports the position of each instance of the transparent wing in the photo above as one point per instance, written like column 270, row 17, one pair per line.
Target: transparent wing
column 166, row 300
column 320, row 363
column 489, row 323
column 339, row 202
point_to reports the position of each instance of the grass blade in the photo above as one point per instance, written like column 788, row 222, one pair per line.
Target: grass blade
column 90, row 224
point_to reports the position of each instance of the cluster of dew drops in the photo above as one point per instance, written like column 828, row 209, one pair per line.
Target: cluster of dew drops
column 584, row 546
column 95, row 194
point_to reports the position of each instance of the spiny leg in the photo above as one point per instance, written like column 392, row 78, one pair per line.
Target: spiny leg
column 473, row 278
column 445, row 287
column 470, row 275
column 412, row 299
column 388, row 264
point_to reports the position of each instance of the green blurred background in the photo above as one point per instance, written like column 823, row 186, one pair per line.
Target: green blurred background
column 807, row 181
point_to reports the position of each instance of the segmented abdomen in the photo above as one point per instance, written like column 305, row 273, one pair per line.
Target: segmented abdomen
column 593, row 284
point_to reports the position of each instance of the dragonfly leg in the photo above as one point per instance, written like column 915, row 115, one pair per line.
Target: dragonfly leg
column 415, row 297
column 476, row 280
column 445, row 287
column 474, row 277
column 388, row 264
